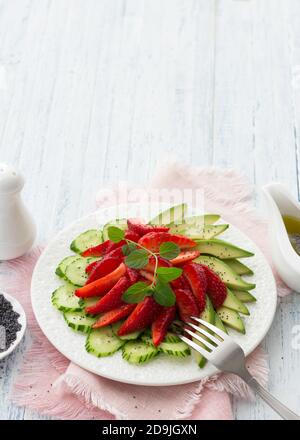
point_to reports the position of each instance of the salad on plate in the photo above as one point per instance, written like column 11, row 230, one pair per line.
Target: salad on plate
column 132, row 285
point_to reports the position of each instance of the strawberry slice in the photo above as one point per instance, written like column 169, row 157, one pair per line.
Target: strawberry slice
column 195, row 275
column 102, row 248
column 132, row 274
column 161, row 262
column 112, row 300
column 161, row 324
column 216, row 289
column 102, row 285
column 133, row 236
column 153, row 240
column 148, row 275
column 142, row 316
column 186, row 304
column 143, row 229
column 180, row 283
column 184, row 257
column 114, row 315
column 103, row 267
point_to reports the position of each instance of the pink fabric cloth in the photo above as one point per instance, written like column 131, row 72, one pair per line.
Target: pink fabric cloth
column 48, row 383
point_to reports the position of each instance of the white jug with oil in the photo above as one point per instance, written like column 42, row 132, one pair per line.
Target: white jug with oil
column 17, row 228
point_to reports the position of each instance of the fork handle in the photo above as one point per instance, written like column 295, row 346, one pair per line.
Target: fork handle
column 274, row 403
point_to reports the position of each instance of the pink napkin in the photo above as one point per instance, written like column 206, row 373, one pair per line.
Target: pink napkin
column 47, row 381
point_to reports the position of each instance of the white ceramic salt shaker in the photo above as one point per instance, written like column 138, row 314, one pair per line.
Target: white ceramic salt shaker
column 17, row 229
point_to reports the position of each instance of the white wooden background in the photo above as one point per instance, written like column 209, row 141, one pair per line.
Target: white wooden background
column 92, row 91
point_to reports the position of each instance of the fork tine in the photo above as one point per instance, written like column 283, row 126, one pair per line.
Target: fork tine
column 195, row 346
column 205, row 343
column 215, row 329
column 205, row 333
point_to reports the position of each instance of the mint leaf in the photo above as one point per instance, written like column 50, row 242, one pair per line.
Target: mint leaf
column 115, row 234
column 167, row 274
column 169, row 250
column 136, row 293
column 128, row 248
column 137, row 259
column 163, row 294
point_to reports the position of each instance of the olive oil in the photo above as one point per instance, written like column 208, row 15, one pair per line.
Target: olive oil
column 292, row 226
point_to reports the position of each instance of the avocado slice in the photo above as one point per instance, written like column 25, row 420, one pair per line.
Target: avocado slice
column 231, row 318
column 230, row 278
column 221, row 249
column 219, row 324
column 197, row 233
column 207, row 315
column 244, row 296
column 233, row 303
column 175, row 214
column 238, row 267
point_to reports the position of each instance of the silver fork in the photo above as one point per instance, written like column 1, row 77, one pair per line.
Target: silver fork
column 225, row 354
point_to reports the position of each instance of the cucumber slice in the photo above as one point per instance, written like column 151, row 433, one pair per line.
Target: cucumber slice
column 232, row 319
column 61, row 268
column 175, row 214
column 75, row 272
column 205, row 232
column 207, row 315
column 244, row 296
column 117, row 325
column 64, row 299
column 230, row 278
column 178, row 349
column 79, row 321
column 218, row 323
column 88, row 302
column 103, row 342
column 138, row 352
column 239, row 268
column 169, row 338
column 233, row 303
column 119, row 222
column 87, row 239
column 221, row 249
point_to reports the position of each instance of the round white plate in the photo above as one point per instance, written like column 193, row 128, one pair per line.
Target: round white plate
column 22, row 320
column 163, row 370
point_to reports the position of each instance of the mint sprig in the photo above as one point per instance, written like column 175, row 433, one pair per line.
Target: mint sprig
column 169, row 250
column 136, row 293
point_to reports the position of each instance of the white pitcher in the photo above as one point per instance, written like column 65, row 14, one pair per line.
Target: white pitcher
column 17, row 229
column 280, row 202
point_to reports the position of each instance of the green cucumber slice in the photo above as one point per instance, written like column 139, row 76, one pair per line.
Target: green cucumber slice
column 221, row 249
column 87, row 239
column 178, row 349
column 103, row 342
column 175, row 214
column 61, row 268
column 75, row 272
column 243, row 296
column 89, row 302
column 119, row 222
column 238, row 267
column 232, row 319
column 207, row 315
column 138, row 352
column 79, row 321
column 115, row 329
column 230, row 278
column 64, row 299
column 170, row 338
column 233, row 303
column 205, row 232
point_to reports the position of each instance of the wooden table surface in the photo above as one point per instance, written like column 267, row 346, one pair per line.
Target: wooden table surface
column 96, row 91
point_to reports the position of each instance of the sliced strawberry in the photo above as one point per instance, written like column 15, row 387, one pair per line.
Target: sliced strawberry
column 103, row 267
column 216, row 289
column 112, row 299
column 102, row 285
column 180, row 283
column 148, row 275
column 143, row 229
column 161, row 262
column 132, row 274
column 161, row 324
column 142, row 316
column 102, row 249
column 91, row 266
column 133, row 236
column 114, row 315
column 153, row 240
column 186, row 303
column 196, row 278
column 184, row 257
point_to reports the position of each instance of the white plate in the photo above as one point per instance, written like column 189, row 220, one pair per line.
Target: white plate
column 22, row 320
column 162, row 370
